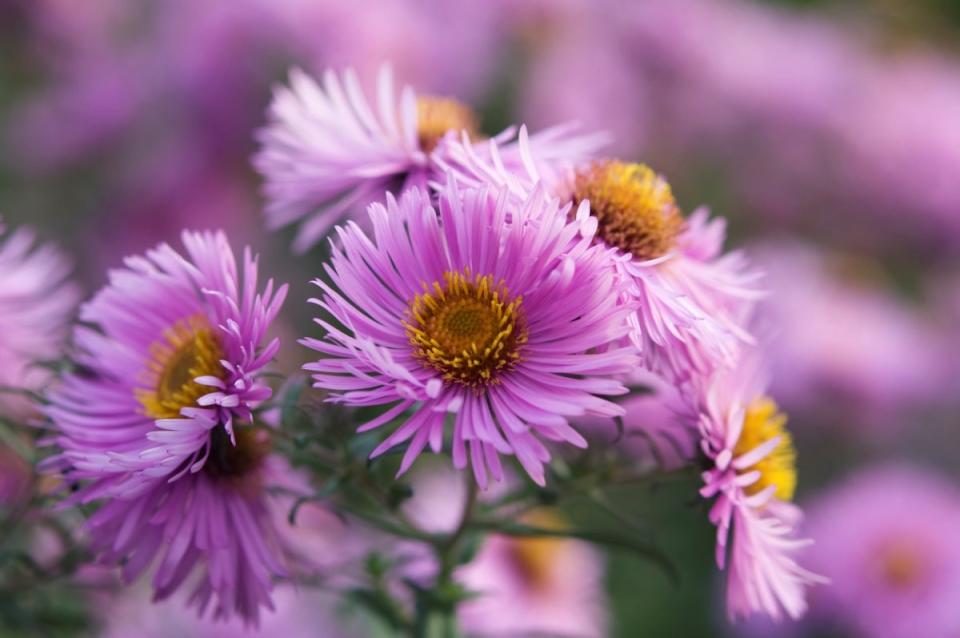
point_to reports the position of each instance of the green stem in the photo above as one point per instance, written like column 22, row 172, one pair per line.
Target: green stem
column 437, row 609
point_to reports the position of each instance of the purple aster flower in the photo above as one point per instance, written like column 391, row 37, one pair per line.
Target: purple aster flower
column 692, row 300
column 327, row 153
column 887, row 539
column 150, row 424
column 492, row 311
column 751, row 480
column 36, row 306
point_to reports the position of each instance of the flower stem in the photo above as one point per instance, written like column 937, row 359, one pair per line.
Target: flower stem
column 437, row 608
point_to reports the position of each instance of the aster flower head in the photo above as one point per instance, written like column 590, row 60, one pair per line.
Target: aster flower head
column 510, row 327
column 887, row 539
column 36, row 305
column 152, row 424
column 691, row 300
column 751, row 480
column 327, row 152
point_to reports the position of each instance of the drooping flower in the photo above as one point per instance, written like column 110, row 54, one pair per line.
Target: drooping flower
column 751, row 480
column 887, row 540
column 327, row 153
column 154, row 425
column 36, row 305
column 692, row 301
column 509, row 326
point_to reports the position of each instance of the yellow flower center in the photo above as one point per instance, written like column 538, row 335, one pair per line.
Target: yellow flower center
column 762, row 423
column 634, row 207
column 188, row 349
column 534, row 557
column 467, row 329
column 437, row 115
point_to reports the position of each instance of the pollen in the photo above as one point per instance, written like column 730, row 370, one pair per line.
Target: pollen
column 187, row 350
column 438, row 115
column 467, row 328
column 634, row 207
column 764, row 422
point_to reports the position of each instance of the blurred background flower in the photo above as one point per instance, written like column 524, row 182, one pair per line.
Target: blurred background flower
column 825, row 131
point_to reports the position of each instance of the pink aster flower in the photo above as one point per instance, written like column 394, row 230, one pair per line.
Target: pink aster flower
column 692, row 301
column 150, row 424
column 510, row 327
column 887, row 539
column 327, row 152
column 36, row 305
column 751, row 481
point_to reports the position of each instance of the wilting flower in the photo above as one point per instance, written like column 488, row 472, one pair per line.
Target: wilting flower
column 887, row 540
column 152, row 425
column 36, row 305
column 509, row 325
column 326, row 152
column 752, row 479
column 691, row 300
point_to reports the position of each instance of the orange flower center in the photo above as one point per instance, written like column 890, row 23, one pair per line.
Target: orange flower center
column 467, row 329
column 438, row 115
column 188, row 349
column 634, row 207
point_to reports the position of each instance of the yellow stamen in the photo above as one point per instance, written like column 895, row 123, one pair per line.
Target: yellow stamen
column 188, row 349
column 634, row 207
column 762, row 423
column 467, row 329
column 437, row 115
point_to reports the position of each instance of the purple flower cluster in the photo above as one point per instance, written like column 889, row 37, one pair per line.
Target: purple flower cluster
column 497, row 293
column 508, row 286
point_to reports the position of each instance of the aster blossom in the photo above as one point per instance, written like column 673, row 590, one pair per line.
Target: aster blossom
column 751, row 479
column 887, row 539
column 153, row 424
column 510, row 326
column 692, row 300
column 327, row 152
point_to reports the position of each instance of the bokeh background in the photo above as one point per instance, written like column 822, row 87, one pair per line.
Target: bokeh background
column 826, row 131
